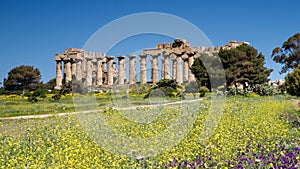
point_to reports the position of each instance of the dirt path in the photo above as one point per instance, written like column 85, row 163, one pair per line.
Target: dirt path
column 91, row 111
column 296, row 103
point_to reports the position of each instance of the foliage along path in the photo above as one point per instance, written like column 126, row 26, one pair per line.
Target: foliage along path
column 91, row 111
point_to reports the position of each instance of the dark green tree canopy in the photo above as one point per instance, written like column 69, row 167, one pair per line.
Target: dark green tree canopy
column 241, row 64
column 50, row 84
column 244, row 64
column 22, row 77
column 289, row 53
column 208, row 71
column 292, row 82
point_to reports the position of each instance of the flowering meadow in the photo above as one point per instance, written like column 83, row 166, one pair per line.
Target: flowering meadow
column 262, row 132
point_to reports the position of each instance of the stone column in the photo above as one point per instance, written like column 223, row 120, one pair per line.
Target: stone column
column 121, row 70
column 114, row 65
column 79, row 71
column 191, row 75
column 110, row 73
column 94, row 71
column 154, row 68
column 162, row 68
column 73, row 68
column 89, row 73
column 179, row 70
column 166, row 66
column 186, row 70
column 174, row 68
column 143, row 69
column 83, row 68
column 99, row 72
column 104, row 65
column 67, row 70
column 132, row 72
column 58, row 74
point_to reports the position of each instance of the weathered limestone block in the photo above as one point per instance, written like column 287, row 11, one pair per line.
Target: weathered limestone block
column 67, row 70
column 58, row 74
column 191, row 75
column 143, row 69
column 154, row 68
column 79, row 71
column 186, row 69
column 83, row 68
column 73, row 68
column 104, row 61
column 122, row 74
column 179, row 70
column 174, row 64
column 89, row 73
column 132, row 71
column 99, row 72
column 166, row 66
column 162, row 68
column 110, row 75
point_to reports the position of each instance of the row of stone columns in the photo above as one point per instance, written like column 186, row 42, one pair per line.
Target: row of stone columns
column 92, row 70
column 165, row 74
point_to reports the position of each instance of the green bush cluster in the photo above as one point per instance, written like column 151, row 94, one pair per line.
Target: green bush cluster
column 261, row 90
column 164, row 88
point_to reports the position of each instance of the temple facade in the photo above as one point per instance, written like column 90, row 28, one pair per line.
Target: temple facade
column 94, row 69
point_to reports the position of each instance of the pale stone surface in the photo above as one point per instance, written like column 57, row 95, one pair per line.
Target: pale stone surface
column 94, row 65
column 83, row 68
column 174, row 64
column 67, row 70
column 166, row 66
column 104, row 62
column 73, row 68
column 78, row 70
column 186, row 70
column 179, row 70
column 58, row 75
column 162, row 68
column 191, row 75
column 89, row 73
column 110, row 75
column 132, row 71
column 99, row 72
column 143, row 69
column 154, row 68
column 121, row 72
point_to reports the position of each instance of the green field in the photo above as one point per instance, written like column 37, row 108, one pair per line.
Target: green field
column 260, row 132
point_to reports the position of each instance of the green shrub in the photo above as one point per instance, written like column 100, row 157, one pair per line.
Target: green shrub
column 265, row 90
column 203, row 90
column 56, row 97
column 139, row 89
column 163, row 88
column 33, row 99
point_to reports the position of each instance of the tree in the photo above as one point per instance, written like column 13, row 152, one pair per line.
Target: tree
column 292, row 82
column 289, row 53
column 192, row 87
column 164, row 87
column 244, row 64
column 21, row 78
column 208, row 71
column 200, row 72
column 50, row 84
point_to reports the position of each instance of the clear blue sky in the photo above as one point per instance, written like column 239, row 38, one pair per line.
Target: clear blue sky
column 32, row 31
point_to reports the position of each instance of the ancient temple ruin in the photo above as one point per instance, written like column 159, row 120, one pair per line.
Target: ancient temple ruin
column 94, row 69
